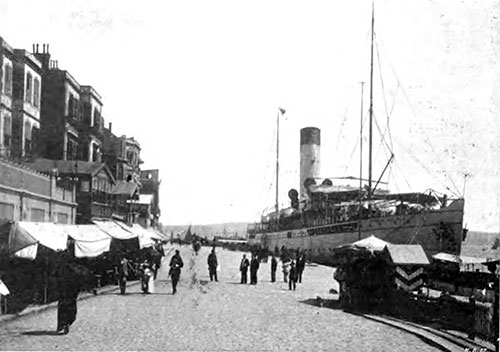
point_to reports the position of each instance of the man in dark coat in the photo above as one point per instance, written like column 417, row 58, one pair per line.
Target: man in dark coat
column 254, row 267
column 123, row 272
column 175, row 270
column 244, row 268
column 292, row 281
column 212, row 265
column 274, row 266
column 301, row 264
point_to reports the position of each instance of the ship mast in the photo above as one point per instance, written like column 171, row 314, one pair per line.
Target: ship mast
column 277, row 159
column 371, row 112
column 360, row 161
column 282, row 111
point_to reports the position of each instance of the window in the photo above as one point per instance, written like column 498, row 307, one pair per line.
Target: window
column 27, row 138
column 36, row 93
column 71, row 149
column 62, row 218
column 7, row 80
column 29, row 88
column 71, row 106
column 95, row 152
column 7, row 130
column 35, row 137
column 37, row 214
column 7, row 211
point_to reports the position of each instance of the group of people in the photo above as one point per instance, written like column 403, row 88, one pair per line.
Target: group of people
column 70, row 283
column 253, row 264
column 292, row 270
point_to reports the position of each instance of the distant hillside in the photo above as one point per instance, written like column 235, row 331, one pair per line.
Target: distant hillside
column 481, row 244
column 230, row 230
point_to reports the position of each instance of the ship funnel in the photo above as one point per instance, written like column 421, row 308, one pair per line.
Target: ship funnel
column 310, row 143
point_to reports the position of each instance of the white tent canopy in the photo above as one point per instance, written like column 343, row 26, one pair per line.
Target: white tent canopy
column 115, row 230
column 371, row 243
column 90, row 241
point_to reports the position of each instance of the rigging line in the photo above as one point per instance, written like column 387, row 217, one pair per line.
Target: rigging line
column 418, row 121
column 423, row 166
column 381, row 78
column 396, row 164
column 427, row 140
column 340, row 129
column 382, row 136
column 388, row 113
column 354, row 149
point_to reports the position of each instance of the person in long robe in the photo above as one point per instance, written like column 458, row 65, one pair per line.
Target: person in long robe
column 69, row 284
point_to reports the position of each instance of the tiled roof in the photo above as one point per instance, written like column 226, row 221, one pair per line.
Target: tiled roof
column 67, row 166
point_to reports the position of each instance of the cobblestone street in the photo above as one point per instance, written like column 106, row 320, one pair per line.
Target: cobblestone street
column 204, row 315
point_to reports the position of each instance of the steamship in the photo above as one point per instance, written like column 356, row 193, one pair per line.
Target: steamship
column 325, row 216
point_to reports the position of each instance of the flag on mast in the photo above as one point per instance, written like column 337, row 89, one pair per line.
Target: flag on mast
column 282, row 111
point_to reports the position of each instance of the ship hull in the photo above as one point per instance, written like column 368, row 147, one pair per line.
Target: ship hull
column 435, row 230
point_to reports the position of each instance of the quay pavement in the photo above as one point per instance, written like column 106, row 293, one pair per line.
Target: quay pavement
column 211, row 316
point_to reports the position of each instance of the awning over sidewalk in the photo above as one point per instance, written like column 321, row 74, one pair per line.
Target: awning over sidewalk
column 25, row 236
column 115, row 230
column 90, row 241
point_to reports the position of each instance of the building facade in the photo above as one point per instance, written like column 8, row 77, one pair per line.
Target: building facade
column 92, row 125
column 150, row 186
column 27, row 195
column 6, row 90
column 26, row 105
column 94, row 186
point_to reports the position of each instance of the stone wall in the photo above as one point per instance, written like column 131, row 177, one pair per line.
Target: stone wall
column 26, row 195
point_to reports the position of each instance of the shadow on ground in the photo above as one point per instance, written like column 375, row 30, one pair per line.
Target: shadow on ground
column 324, row 303
column 41, row 333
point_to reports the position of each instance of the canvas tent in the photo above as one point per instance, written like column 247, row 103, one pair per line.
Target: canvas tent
column 25, row 237
column 371, row 243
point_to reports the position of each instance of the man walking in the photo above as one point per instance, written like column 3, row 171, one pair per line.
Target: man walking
column 175, row 270
column 292, row 282
column 254, row 267
column 274, row 266
column 212, row 265
column 123, row 269
column 244, row 268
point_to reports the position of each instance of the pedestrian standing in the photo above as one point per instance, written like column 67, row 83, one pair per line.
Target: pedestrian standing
column 254, row 267
column 175, row 270
column 292, row 282
column 274, row 265
column 301, row 264
column 284, row 268
column 123, row 272
column 212, row 265
column 244, row 268
column 147, row 279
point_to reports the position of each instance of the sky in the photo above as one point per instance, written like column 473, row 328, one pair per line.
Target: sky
column 199, row 85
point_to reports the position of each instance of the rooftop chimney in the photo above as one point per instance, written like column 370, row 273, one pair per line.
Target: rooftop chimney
column 110, row 124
